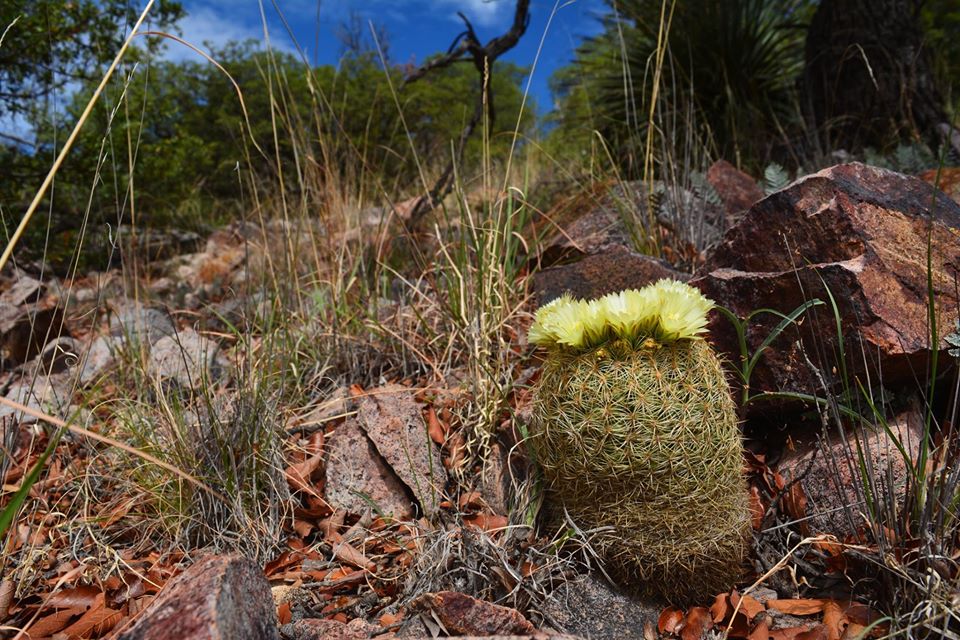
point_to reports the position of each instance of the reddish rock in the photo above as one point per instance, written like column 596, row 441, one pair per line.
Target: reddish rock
column 601, row 227
column 949, row 181
column 356, row 475
column 829, row 470
column 861, row 232
column 316, row 629
column 612, row 269
column 218, row 598
column 737, row 190
column 393, row 421
column 463, row 615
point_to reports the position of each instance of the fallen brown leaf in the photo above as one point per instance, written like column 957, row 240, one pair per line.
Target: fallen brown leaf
column 53, row 623
column 346, row 552
column 298, row 475
column 819, row 632
column 798, row 607
column 83, row 596
column 696, row 624
column 669, row 619
column 435, row 429
column 833, row 619
column 749, row 606
column 756, row 508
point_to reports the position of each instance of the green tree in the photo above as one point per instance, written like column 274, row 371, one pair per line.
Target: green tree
column 50, row 44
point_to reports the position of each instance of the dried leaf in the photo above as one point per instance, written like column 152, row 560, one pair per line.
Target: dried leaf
column 284, row 613
column 696, row 624
column 751, row 607
column 98, row 620
column 819, row 632
column 669, row 619
column 487, row 521
column 795, row 503
column 721, row 607
column 6, row 597
column 389, row 619
column 436, row 429
column 298, row 475
column 760, row 632
column 833, row 619
column 346, row 552
column 83, row 597
column 757, row 508
column 649, row 633
column 798, row 607
column 853, row 630
column 53, row 623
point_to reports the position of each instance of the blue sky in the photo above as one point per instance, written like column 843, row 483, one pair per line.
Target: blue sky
column 416, row 28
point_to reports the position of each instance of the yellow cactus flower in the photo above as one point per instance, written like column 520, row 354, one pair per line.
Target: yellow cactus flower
column 667, row 311
column 683, row 311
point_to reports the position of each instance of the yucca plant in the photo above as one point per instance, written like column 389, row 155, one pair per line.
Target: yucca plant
column 735, row 61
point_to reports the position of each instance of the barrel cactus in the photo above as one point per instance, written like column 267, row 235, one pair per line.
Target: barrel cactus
column 636, row 435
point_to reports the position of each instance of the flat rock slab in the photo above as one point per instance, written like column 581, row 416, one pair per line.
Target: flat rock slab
column 592, row 608
column 463, row 615
column 218, row 598
column 357, row 477
column 393, row 421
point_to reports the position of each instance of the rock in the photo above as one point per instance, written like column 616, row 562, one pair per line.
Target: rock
column 611, row 269
column 187, row 358
column 393, row 421
column 155, row 244
column 863, row 231
column 316, row 629
column 58, row 356
column 358, row 478
column 601, row 227
column 218, row 598
column 463, row 615
column 24, row 289
column 737, row 190
column 141, row 325
column 827, row 467
column 98, row 357
column 593, row 609
column 48, row 394
column 25, row 329
column 949, row 181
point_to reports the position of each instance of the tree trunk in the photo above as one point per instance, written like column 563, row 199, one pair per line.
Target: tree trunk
column 868, row 78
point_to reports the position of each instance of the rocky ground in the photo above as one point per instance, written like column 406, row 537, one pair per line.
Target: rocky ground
column 371, row 524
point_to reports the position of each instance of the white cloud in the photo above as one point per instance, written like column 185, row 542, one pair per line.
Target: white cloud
column 215, row 26
column 480, row 12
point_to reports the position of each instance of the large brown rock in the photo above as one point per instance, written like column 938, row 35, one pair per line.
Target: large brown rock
column 737, row 190
column 218, row 598
column 612, row 269
column 858, row 233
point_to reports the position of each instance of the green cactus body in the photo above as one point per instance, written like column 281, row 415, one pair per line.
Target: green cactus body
column 643, row 438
